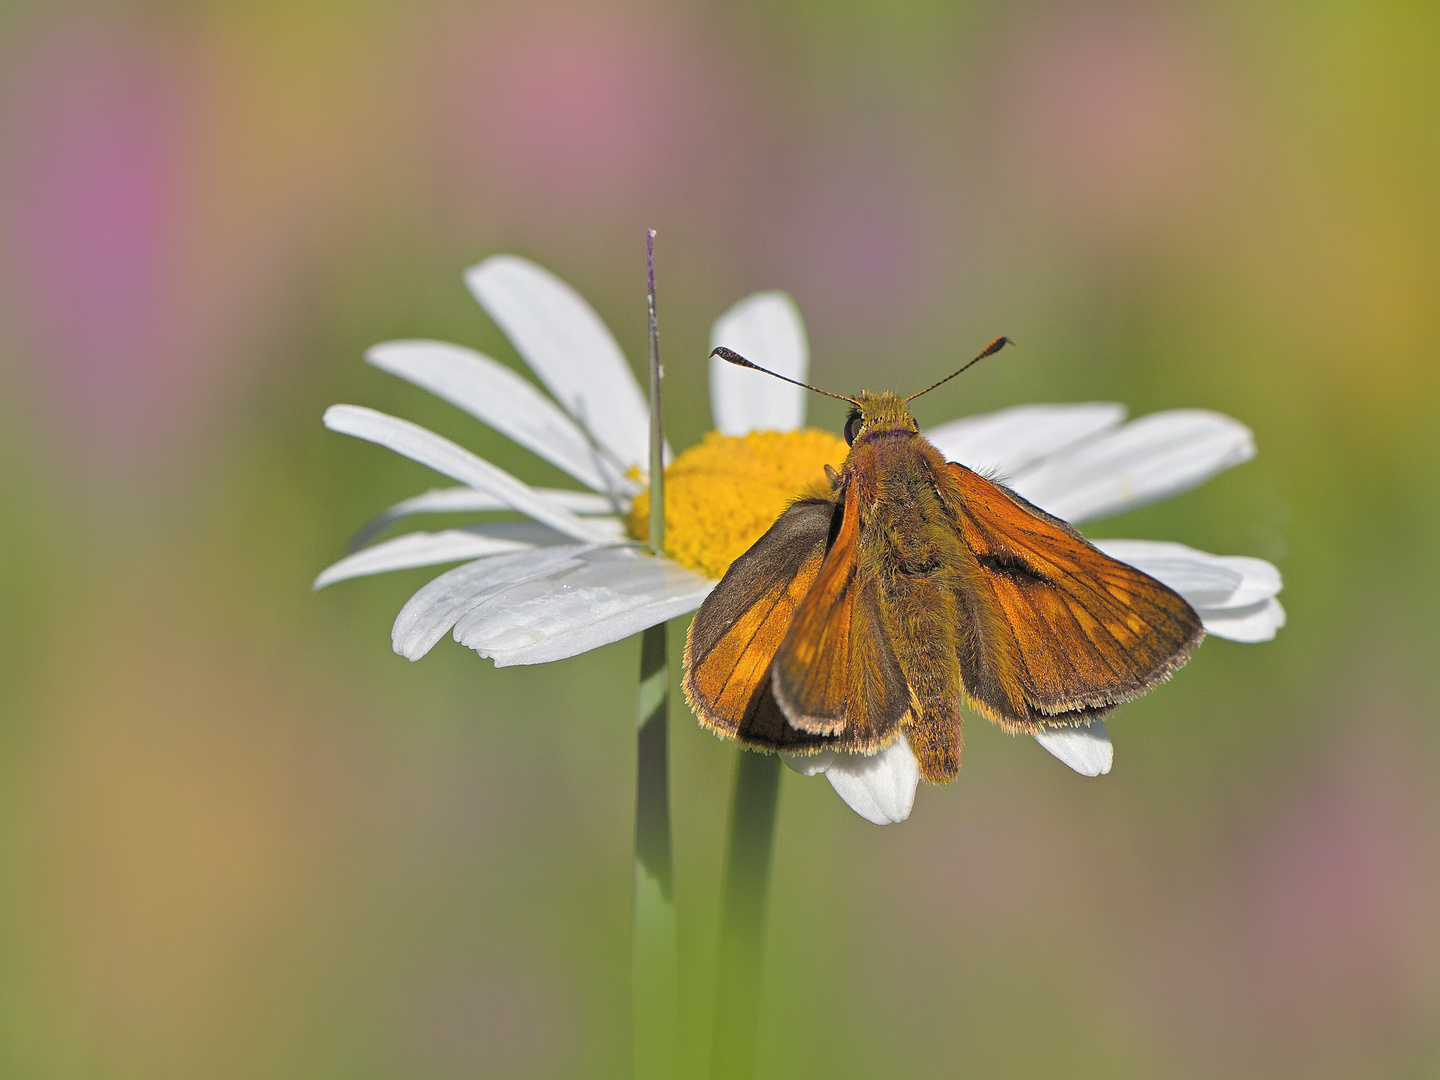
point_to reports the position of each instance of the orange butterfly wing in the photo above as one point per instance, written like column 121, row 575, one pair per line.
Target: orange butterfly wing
column 836, row 672
column 1080, row 632
column 735, row 635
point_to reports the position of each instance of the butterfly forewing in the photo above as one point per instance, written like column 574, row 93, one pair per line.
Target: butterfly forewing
column 734, row 636
column 1088, row 631
column 836, row 671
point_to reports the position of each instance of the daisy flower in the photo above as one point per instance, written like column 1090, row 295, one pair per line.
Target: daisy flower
column 573, row 576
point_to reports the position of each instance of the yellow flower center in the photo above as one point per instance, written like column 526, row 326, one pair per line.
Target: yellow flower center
column 722, row 494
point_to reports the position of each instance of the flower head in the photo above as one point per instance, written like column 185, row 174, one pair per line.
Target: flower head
column 572, row 577
column 723, row 493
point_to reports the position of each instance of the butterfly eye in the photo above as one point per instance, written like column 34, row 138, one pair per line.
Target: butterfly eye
column 852, row 427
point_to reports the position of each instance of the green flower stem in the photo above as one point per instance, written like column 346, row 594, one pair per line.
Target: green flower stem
column 653, row 974
column 742, row 919
column 654, row 979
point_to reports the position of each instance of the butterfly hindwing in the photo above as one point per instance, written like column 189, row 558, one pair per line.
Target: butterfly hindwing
column 1080, row 633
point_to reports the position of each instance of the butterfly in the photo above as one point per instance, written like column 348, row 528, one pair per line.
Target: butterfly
column 916, row 585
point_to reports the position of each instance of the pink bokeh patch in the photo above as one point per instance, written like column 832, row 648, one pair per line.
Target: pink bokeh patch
column 1340, row 894
column 1111, row 111
column 568, row 106
column 856, row 247
column 100, row 137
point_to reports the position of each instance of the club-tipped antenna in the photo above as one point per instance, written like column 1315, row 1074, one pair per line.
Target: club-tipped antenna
column 989, row 350
column 730, row 356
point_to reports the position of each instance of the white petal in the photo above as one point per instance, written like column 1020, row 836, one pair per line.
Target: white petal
column 448, row 545
column 1202, row 579
column 444, row 456
column 613, row 593
column 1085, row 747
column 1206, row 581
column 1258, row 622
column 767, row 330
column 570, row 349
column 1008, row 440
column 1151, row 458
column 430, row 613
column 1234, row 595
column 808, row 764
column 495, row 395
column 878, row 787
column 458, row 500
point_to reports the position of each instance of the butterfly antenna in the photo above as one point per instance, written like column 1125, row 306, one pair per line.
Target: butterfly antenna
column 989, row 350
column 730, row 356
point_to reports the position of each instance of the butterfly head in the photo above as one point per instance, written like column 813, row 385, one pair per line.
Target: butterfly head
column 878, row 413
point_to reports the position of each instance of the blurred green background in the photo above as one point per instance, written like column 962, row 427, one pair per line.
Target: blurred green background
column 239, row 837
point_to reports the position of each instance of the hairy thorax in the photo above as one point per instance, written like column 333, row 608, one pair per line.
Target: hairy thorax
column 899, row 474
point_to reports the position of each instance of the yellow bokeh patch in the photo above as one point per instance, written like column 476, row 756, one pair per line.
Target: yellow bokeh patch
column 722, row 494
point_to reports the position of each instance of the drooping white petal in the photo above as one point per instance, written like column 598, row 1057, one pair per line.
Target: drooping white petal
column 1150, row 458
column 808, row 764
column 456, row 462
column 503, row 399
column 1234, row 595
column 766, row 329
column 613, row 593
column 570, row 349
column 1008, row 440
column 447, row 545
column 432, row 611
column 1252, row 624
column 1085, row 747
column 459, row 500
column 880, row 787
